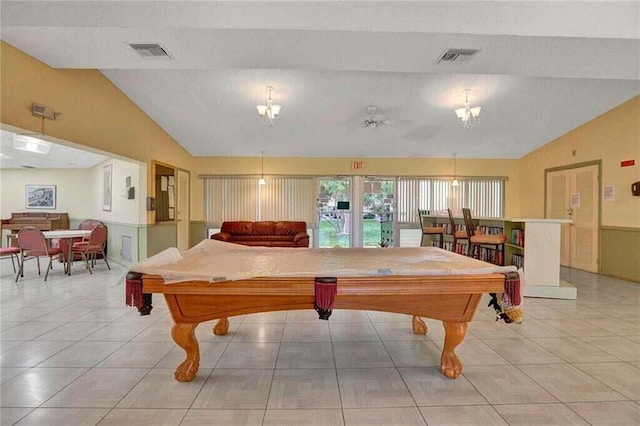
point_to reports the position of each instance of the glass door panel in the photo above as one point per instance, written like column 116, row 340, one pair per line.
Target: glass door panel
column 378, row 207
column 334, row 212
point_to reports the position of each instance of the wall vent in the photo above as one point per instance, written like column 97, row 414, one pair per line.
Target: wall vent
column 151, row 51
column 457, row 56
column 126, row 248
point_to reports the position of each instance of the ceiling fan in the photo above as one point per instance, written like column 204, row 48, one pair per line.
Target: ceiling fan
column 373, row 119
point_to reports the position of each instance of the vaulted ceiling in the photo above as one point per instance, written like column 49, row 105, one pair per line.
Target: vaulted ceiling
column 543, row 68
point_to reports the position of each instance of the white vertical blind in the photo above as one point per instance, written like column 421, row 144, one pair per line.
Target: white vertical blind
column 485, row 197
column 293, row 198
column 240, row 198
column 230, row 199
column 286, row 198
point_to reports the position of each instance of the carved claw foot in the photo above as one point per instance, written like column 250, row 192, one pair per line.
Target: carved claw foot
column 184, row 336
column 450, row 365
column 419, row 327
column 187, row 370
column 455, row 332
column 221, row 328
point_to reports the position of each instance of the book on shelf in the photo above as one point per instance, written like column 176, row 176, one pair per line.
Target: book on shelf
column 517, row 260
column 517, row 237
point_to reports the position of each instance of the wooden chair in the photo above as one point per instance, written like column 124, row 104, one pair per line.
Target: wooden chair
column 461, row 234
column 476, row 238
column 431, row 230
column 11, row 252
column 33, row 245
column 91, row 248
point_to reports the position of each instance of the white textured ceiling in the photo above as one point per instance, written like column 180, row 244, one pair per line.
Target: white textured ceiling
column 543, row 69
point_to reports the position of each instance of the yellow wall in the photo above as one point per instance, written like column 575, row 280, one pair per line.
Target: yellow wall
column 96, row 113
column 612, row 137
column 100, row 116
column 372, row 167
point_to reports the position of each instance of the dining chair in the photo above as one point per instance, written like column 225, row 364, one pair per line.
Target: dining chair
column 11, row 252
column 458, row 234
column 429, row 231
column 477, row 238
column 33, row 245
column 94, row 246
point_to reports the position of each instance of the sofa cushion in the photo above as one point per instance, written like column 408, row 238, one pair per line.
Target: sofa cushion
column 238, row 228
column 290, row 228
column 265, row 228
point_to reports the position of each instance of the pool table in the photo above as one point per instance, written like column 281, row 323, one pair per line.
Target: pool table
column 439, row 294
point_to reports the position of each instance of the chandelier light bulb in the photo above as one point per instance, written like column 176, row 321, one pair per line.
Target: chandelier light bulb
column 468, row 115
column 268, row 113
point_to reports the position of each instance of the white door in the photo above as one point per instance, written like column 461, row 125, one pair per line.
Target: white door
column 573, row 194
column 182, row 215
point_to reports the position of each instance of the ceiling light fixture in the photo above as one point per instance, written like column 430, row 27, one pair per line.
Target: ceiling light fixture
column 455, row 181
column 262, row 181
column 269, row 112
column 31, row 144
column 469, row 116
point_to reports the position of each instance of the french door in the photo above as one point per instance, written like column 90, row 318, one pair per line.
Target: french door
column 378, row 212
column 574, row 194
column 334, row 209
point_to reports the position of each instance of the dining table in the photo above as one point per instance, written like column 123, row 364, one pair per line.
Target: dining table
column 69, row 235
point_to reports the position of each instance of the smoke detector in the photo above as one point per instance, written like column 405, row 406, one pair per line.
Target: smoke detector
column 457, row 56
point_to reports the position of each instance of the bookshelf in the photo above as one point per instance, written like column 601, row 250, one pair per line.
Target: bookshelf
column 542, row 266
column 486, row 225
column 538, row 238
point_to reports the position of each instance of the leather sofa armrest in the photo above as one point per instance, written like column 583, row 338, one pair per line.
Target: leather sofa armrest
column 301, row 239
column 222, row 236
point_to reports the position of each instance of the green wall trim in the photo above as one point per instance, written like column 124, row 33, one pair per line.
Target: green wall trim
column 161, row 236
column 116, row 230
column 197, row 232
column 620, row 253
column 620, row 228
column 574, row 166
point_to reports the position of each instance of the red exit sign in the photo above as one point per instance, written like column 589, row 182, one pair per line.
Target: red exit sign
column 627, row 163
column 357, row 165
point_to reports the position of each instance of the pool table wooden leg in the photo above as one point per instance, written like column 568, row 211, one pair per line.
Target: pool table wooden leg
column 455, row 332
column 184, row 335
column 221, row 328
column 419, row 327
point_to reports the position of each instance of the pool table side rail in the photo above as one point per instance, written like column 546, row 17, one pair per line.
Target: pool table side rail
column 447, row 298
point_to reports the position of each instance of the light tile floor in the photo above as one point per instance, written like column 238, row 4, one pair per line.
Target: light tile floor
column 71, row 353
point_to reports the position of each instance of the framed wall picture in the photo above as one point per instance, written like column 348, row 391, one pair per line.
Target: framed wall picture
column 40, row 196
column 107, row 172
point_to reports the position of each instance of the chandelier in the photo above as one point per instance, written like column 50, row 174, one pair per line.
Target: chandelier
column 269, row 112
column 468, row 115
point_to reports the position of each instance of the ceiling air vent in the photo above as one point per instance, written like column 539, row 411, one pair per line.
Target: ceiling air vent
column 151, row 51
column 457, row 56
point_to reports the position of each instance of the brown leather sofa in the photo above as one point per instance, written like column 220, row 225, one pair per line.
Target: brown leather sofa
column 267, row 233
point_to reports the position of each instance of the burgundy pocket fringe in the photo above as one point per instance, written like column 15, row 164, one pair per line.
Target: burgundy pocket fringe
column 133, row 296
column 325, row 295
